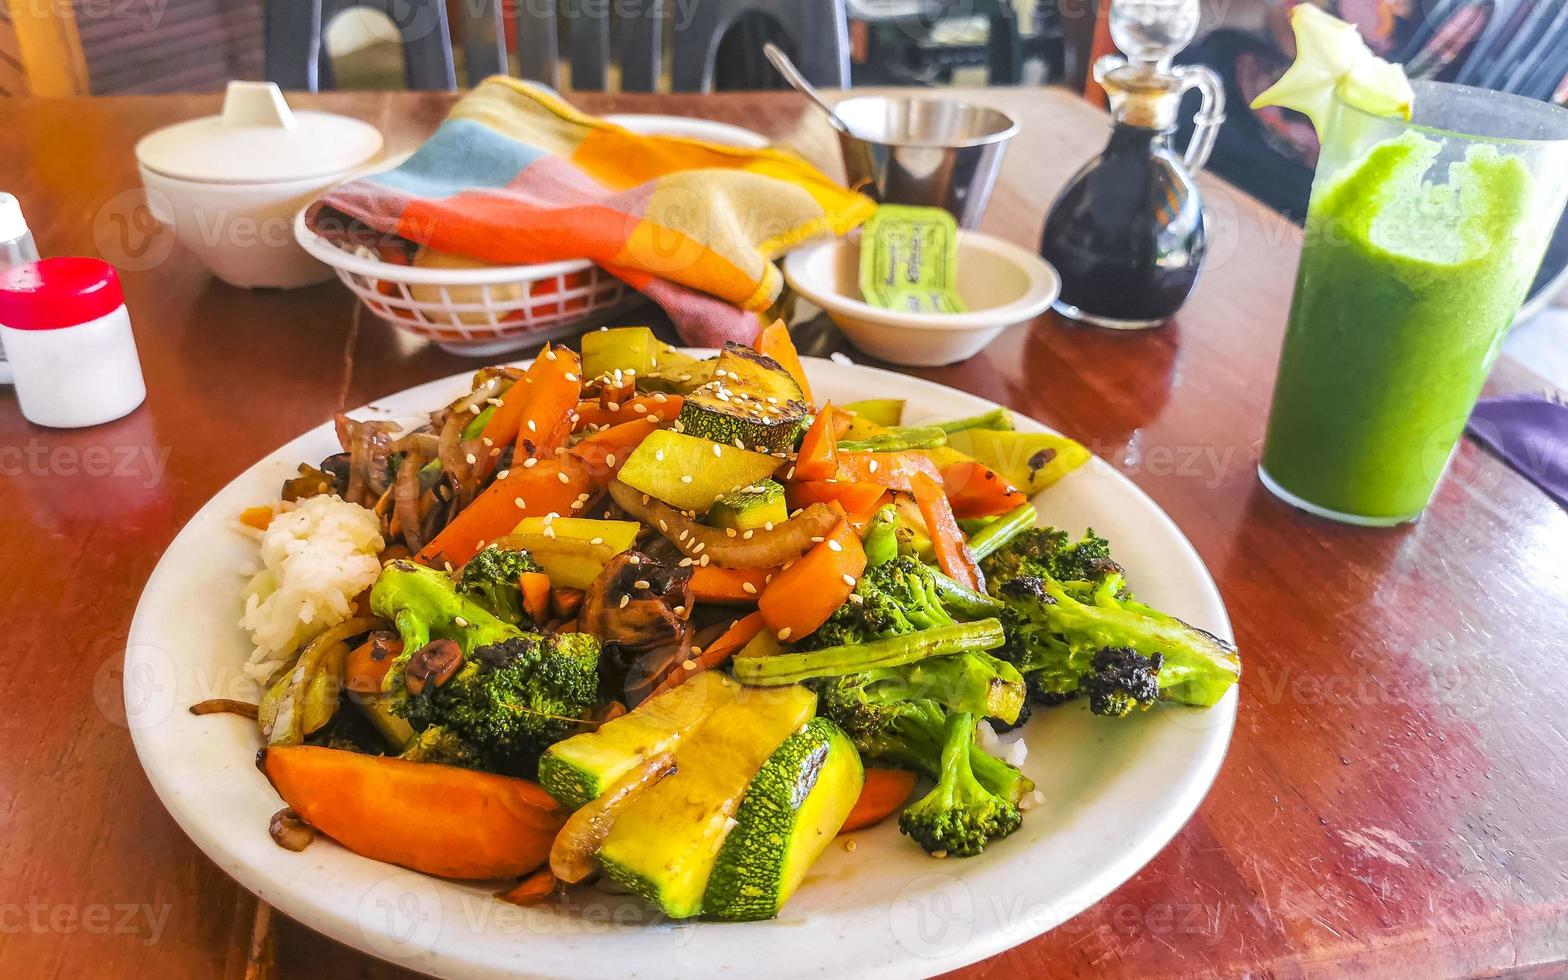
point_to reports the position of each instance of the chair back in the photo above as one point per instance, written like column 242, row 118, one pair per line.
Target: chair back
column 297, row 57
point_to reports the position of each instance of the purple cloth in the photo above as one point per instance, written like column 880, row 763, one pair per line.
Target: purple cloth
column 1531, row 433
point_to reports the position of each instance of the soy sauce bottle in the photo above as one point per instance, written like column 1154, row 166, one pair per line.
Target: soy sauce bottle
column 1127, row 233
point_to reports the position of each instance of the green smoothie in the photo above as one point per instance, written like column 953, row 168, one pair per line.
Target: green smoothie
column 1404, row 294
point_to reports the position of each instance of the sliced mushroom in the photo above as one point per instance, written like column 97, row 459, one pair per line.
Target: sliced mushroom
column 637, row 607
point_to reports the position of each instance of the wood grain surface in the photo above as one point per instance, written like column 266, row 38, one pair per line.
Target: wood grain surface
column 1395, row 801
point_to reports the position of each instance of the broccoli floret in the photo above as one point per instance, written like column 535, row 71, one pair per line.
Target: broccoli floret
column 1046, row 552
column 1056, row 633
column 960, row 816
column 436, row 744
column 513, row 699
column 490, row 579
column 909, row 735
column 424, row 605
column 896, row 597
column 973, row 682
column 1120, row 681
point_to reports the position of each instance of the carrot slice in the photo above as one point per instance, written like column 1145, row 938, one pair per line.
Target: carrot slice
column 891, row 470
column 774, row 341
column 491, row 826
column 550, row 486
column 718, row 652
column 256, row 517
column 535, row 587
column 551, row 389
column 710, row 583
column 855, row 498
column 507, row 418
column 531, row 890
column 975, row 490
column 604, row 452
column 363, row 671
column 658, row 408
column 805, row 593
column 947, row 539
column 818, row 456
column 881, row 796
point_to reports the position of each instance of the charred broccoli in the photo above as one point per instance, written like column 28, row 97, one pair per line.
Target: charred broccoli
column 960, row 816
column 1067, row 638
column 436, row 744
column 490, row 579
column 1046, row 552
column 514, row 699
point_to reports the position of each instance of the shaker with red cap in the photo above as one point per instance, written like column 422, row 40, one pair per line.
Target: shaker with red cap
column 66, row 332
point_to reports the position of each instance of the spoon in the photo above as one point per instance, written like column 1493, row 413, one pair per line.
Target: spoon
column 798, row 82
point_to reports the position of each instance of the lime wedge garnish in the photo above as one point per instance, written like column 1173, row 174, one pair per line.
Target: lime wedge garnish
column 1331, row 57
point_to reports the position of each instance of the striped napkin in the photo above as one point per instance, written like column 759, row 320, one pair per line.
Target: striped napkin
column 515, row 175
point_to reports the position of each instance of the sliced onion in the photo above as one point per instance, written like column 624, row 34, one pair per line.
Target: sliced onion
column 764, row 549
column 225, row 706
column 421, row 441
column 405, row 501
column 454, row 459
column 572, row 856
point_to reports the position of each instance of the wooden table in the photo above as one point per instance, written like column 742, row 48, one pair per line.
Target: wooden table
column 1395, row 802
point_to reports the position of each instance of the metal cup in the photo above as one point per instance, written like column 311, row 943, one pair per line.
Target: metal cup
column 934, row 152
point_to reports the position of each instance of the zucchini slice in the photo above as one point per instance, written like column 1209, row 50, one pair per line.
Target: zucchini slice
column 793, row 809
column 751, row 403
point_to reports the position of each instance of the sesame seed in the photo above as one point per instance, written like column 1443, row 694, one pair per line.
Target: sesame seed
column 835, row 546
column 660, row 397
column 639, row 408
column 817, row 539
column 767, row 525
column 698, row 549
column 856, row 598
column 462, row 623
column 633, row 559
column 519, row 502
column 689, row 664
column 472, row 459
column 609, row 459
column 849, row 579
column 849, row 845
column 696, row 650
column 563, row 478
column 871, row 467
column 596, row 540
column 663, row 526
column 704, row 562
column 532, row 426
column 530, row 463
column 503, row 474
column 641, row 583
column 718, row 450
column 746, row 534
column 487, row 441
column 680, row 610
column 645, row 499
column 682, row 535
column 625, row 599
column 685, row 477
column 549, row 354
column 748, row 588
column 772, row 401
column 570, row 376
column 549, row 531
column 784, row 634
column 729, row 532
column 578, row 504
column 685, row 563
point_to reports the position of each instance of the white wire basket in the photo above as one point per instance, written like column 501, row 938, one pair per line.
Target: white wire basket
column 478, row 312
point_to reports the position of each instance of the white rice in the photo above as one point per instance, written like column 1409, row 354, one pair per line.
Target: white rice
column 315, row 559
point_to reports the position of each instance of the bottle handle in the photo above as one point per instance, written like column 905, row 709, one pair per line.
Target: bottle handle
column 1210, row 116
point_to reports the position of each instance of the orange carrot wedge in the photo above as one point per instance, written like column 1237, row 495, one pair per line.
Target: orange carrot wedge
column 947, row 539
column 552, row 388
column 531, row 890
column 710, row 583
column 855, row 498
column 718, row 652
column 549, row 486
column 380, row 807
column 366, row 665
column 891, row 470
column 774, row 341
column 818, row 457
column 884, row 792
column 535, row 587
column 976, row 490
column 658, row 408
column 804, row 593
column 604, row 452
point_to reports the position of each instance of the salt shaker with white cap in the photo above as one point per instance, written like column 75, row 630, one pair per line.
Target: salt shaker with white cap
column 68, row 336
column 16, row 248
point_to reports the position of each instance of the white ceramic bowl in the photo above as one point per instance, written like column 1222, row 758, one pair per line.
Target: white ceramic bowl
column 1002, row 284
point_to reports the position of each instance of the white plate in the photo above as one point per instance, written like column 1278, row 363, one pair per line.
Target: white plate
column 1116, row 790
column 697, row 129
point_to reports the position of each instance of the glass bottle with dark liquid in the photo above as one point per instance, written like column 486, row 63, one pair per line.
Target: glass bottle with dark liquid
column 1127, row 233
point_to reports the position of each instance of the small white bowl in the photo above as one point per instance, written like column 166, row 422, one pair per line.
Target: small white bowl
column 1002, row 284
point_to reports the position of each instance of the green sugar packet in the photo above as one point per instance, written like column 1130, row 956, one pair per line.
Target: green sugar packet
column 909, row 260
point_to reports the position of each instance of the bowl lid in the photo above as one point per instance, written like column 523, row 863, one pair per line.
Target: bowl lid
column 259, row 139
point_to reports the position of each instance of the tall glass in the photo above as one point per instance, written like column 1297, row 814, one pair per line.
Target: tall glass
column 1422, row 240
